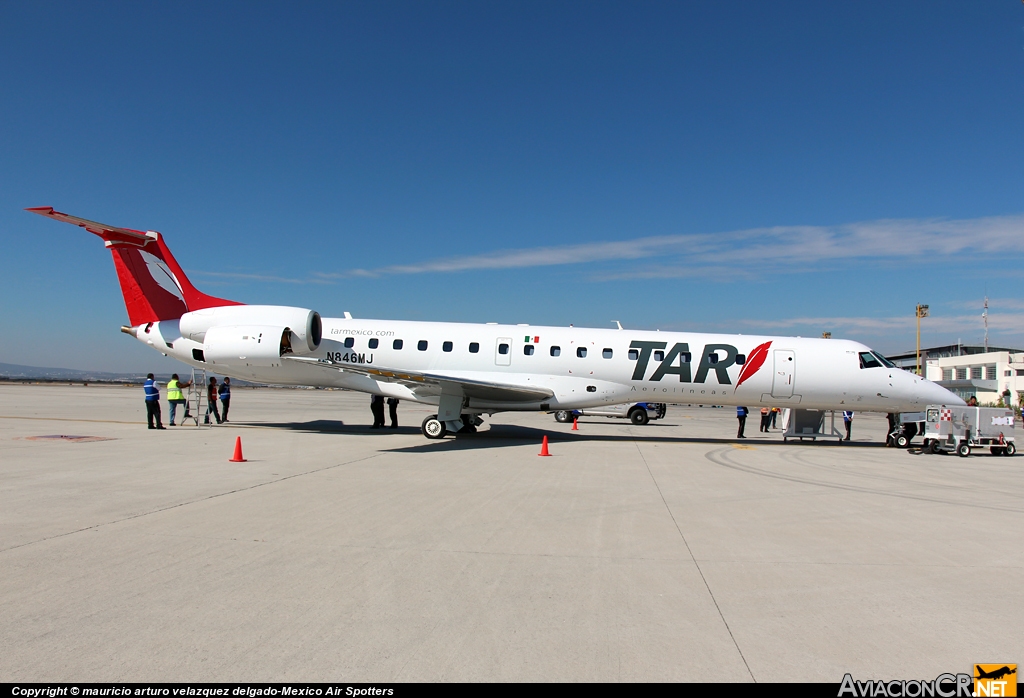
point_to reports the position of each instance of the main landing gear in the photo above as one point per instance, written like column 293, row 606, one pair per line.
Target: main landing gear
column 434, row 428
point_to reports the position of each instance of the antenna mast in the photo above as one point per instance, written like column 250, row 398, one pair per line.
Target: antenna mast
column 984, row 316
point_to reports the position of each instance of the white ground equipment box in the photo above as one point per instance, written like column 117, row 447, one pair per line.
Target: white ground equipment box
column 809, row 424
column 959, row 429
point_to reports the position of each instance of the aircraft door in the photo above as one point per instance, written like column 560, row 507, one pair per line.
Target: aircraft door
column 503, row 351
column 785, row 373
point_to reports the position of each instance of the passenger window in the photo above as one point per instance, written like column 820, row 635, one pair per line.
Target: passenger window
column 474, row 347
column 502, row 348
column 741, row 359
column 713, row 358
column 687, row 357
column 633, row 354
column 556, row 351
column 528, row 349
column 581, row 352
column 422, row 345
column 447, row 346
column 606, row 353
column 868, row 360
column 397, row 344
column 374, row 343
column 659, row 355
column 591, row 388
column 349, row 342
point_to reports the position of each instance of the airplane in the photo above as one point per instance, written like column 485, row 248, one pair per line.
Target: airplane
column 995, row 674
column 469, row 370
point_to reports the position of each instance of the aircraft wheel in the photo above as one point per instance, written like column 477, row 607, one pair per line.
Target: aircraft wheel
column 963, row 450
column 639, row 417
column 902, row 441
column 563, row 416
column 433, row 428
column 1010, row 449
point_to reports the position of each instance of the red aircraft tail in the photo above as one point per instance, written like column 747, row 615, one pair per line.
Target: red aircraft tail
column 154, row 286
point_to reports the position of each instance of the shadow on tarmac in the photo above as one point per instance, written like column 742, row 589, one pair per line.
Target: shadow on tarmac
column 499, row 435
column 328, row 426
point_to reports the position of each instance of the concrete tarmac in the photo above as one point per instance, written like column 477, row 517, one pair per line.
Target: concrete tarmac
column 669, row 552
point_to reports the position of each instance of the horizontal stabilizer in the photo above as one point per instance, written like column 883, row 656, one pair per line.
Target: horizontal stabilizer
column 154, row 286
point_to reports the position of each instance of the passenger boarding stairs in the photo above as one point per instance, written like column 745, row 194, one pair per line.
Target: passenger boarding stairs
column 197, row 401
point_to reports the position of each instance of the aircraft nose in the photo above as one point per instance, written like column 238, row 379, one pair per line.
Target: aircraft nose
column 933, row 394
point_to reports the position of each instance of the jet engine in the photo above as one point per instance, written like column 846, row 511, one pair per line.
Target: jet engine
column 256, row 345
column 305, row 326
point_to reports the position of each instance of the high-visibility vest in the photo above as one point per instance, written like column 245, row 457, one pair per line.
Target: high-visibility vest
column 174, row 390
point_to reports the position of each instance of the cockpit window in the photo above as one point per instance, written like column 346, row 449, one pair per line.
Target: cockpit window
column 868, row 360
column 885, row 361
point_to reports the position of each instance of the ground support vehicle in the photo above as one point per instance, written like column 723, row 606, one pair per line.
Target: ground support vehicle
column 961, row 429
column 638, row 413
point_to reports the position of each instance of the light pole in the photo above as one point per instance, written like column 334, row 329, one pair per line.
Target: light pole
column 922, row 311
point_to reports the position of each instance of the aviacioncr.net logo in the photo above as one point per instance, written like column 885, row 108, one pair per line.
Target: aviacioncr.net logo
column 942, row 686
column 995, row 680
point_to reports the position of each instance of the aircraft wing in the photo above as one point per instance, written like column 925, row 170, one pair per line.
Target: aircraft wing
column 423, row 383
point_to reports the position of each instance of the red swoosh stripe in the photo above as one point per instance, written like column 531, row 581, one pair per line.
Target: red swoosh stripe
column 754, row 362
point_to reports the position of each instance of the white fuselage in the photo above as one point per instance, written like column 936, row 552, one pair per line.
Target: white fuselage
column 581, row 367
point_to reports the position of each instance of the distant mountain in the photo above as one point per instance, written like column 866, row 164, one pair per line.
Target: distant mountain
column 19, row 372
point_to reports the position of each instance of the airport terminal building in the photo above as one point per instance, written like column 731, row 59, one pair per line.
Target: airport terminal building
column 971, row 371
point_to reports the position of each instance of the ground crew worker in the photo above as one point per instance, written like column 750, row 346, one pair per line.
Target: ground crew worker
column 393, row 409
column 211, row 401
column 225, row 398
column 377, row 407
column 848, row 421
column 152, row 402
column 765, row 419
column 175, row 398
column 741, row 416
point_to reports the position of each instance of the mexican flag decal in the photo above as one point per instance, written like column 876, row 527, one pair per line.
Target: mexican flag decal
column 534, row 340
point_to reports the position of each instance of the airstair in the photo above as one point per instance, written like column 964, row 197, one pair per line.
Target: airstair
column 197, row 400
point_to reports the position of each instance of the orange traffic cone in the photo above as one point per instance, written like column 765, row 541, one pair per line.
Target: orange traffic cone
column 575, row 423
column 237, row 458
column 544, row 447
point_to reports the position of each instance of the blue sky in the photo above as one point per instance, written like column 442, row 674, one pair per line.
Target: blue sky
column 746, row 167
